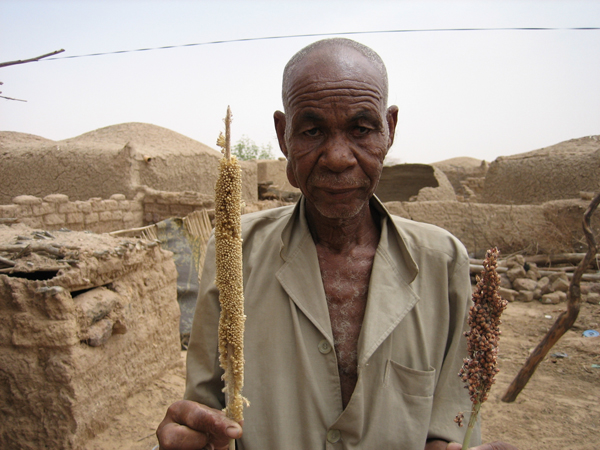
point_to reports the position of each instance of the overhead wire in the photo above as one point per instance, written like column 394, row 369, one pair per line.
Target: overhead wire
column 346, row 33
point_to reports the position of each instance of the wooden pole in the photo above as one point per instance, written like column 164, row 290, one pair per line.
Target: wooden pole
column 560, row 258
column 566, row 320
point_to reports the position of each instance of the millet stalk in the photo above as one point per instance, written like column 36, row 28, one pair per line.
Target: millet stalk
column 229, row 279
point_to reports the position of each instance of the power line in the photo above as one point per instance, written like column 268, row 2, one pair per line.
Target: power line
column 346, row 33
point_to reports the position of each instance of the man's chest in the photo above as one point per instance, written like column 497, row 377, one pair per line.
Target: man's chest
column 346, row 285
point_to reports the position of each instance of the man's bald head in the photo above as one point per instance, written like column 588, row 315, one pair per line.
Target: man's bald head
column 333, row 45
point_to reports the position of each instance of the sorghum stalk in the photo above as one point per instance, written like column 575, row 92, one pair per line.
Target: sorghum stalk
column 480, row 367
column 229, row 279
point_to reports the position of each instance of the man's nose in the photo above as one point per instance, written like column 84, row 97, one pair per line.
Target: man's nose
column 337, row 154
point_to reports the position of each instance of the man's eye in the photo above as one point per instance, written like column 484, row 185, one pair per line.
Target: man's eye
column 361, row 131
column 312, row 132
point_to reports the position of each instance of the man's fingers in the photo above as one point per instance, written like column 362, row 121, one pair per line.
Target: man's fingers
column 204, row 419
column 174, row 436
column 191, row 426
column 454, row 446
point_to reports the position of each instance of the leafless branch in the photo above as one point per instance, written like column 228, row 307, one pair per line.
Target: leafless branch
column 10, row 98
column 37, row 58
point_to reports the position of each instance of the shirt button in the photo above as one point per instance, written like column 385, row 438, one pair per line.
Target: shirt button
column 334, row 436
column 324, row 347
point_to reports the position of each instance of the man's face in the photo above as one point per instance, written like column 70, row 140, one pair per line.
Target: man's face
column 336, row 132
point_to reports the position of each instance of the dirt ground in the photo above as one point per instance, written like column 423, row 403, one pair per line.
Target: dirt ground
column 558, row 409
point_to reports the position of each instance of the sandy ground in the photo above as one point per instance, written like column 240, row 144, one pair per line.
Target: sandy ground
column 558, row 409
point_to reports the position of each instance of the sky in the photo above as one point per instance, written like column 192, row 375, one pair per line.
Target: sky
column 481, row 94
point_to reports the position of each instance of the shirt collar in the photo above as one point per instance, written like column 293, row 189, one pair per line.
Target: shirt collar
column 391, row 239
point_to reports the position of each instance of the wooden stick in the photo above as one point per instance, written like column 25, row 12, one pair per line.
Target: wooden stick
column 566, row 320
column 7, row 262
column 569, row 271
column 228, row 134
column 477, row 268
column 11, row 98
column 130, row 231
column 560, row 258
column 37, row 58
column 35, row 247
column 584, row 276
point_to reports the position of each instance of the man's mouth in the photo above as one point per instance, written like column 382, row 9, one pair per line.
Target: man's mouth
column 338, row 191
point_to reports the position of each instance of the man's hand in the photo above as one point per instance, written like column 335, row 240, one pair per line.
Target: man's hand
column 191, row 426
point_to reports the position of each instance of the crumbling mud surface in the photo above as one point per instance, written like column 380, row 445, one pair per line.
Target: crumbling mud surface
column 87, row 321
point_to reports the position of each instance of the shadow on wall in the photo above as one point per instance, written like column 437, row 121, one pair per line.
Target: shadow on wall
column 406, row 182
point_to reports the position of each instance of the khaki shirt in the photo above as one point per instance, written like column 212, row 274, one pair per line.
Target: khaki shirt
column 409, row 353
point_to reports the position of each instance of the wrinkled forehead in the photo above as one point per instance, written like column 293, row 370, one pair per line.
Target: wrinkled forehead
column 329, row 70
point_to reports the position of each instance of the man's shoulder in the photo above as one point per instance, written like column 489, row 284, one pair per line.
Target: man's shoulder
column 425, row 235
column 413, row 226
column 267, row 215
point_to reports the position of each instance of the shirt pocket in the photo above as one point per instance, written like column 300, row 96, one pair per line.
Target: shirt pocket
column 410, row 382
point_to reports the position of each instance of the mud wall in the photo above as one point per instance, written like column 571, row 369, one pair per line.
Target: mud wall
column 413, row 182
column 547, row 228
column 465, row 174
column 55, row 211
column 274, row 171
column 82, row 175
column 81, row 172
column 118, row 159
column 160, row 205
column 76, row 343
column 552, row 227
column 553, row 173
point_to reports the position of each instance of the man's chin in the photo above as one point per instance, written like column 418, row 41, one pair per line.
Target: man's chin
column 338, row 211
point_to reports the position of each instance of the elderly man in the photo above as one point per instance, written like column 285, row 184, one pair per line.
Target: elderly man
column 354, row 317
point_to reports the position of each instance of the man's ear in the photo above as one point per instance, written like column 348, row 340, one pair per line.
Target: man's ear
column 392, row 121
column 280, row 123
column 279, row 119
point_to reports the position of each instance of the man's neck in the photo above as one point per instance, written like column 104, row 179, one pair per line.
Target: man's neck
column 342, row 235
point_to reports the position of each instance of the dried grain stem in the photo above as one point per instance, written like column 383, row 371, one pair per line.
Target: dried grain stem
column 229, row 277
column 480, row 367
